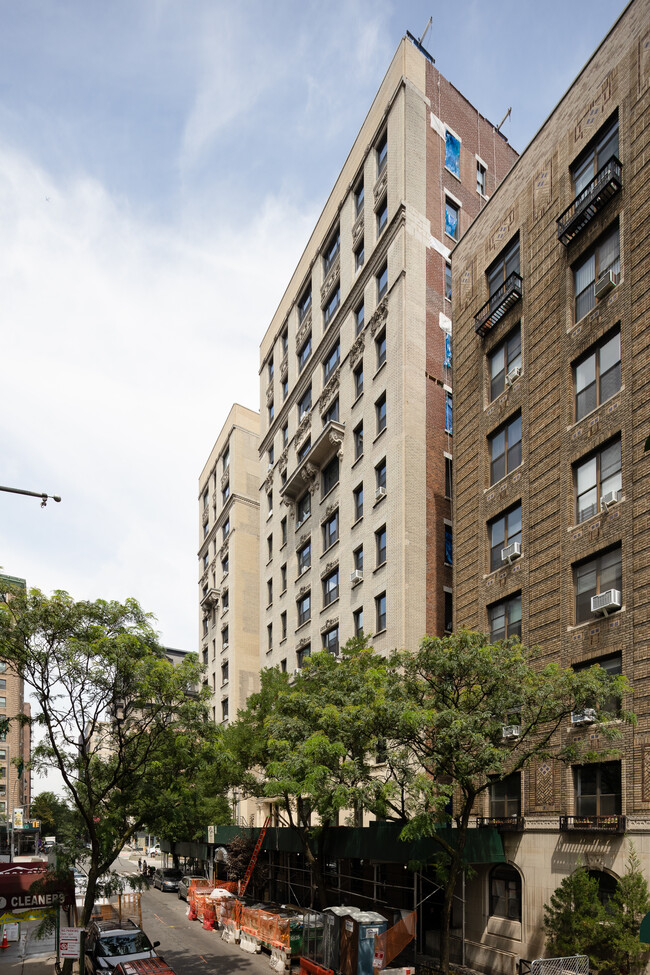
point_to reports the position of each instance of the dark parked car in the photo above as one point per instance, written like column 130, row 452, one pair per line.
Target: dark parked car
column 184, row 884
column 110, row 942
column 166, row 878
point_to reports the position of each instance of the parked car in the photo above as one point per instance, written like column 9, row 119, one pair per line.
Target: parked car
column 184, row 884
column 153, row 851
column 110, row 942
column 166, row 878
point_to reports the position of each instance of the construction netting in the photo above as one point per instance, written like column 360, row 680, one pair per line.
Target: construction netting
column 389, row 944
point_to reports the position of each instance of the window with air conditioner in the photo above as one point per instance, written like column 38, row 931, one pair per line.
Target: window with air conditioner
column 598, row 575
column 598, row 480
column 605, row 257
column 504, row 532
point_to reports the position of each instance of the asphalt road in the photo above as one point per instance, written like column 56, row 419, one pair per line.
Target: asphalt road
column 186, row 945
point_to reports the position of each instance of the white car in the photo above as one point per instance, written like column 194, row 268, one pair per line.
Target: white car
column 154, row 851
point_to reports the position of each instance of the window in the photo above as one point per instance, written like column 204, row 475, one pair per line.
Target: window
column 504, row 530
column 505, row 797
column 331, row 414
column 269, row 545
column 303, row 450
column 304, row 557
column 269, row 636
column 331, row 252
column 206, row 495
column 448, row 281
column 206, row 560
column 358, row 198
column 283, row 530
column 224, row 638
column 449, row 413
column 304, row 609
column 380, row 474
column 380, row 545
column 357, row 621
column 284, row 341
column 269, row 591
column 283, row 578
column 269, row 503
column 271, row 455
column 594, row 576
column 382, row 216
column 206, row 529
column 505, row 449
column 330, row 531
column 331, row 588
column 304, row 404
column 380, row 612
column 448, row 476
column 359, row 318
column 598, row 789
column 331, row 306
column 225, row 565
column 285, row 388
column 225, row 599
column 304, row 352
column 452, row 153
column 382, row 153
column 598, row 375
column 225, row 494
column 382, row 282
column 225, row 531
column 505, row 892
column 285, row 434
column 270, row 369
column 380, row 413
column 605, row 257
column 449, row 544
column 283, row 625
column 302, row 654
column 449, row 611
column 358, row 441
column 330, row 475
column 357, row 498
column 271, row 412
column 505, row 618
column 606, row 146
column 358, row 380
column 224, row 709
column 452, row 219
column 597, row 475
column 357, row 556
column 503, row 359
column 224, row 673
column 331, row 641
column 613, row 666
column 359, row 255
column 480, row 178
column 303, row 508
column 380, row 348
column 304, row 304
column 226, row 459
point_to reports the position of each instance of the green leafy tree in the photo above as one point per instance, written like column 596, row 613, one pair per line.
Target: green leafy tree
column 57, row 818
column 574, row 918
column 125, row 729
column 311, row 744
column 622, row 951
column 456, row 695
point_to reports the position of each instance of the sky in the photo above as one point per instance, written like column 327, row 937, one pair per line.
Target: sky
column 162, row 163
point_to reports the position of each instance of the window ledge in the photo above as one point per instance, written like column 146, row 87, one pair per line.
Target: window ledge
column 503, row 479
column 595, row 620
column 269, row 560
column 452, row 173
column 299, row 524
column 303, row 625
column 327, row 608
column 283, row 592
column 378, row 568
column 357, row 399
column 587, row 416
column 381, row 367
column 328, row 550
column 301, row 575
column 380, row 434
column 357, row 522
column 331, row 490
column 354, row 464
column 379, row 632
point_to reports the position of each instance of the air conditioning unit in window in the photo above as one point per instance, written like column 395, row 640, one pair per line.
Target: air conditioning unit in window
column 586, row 716
column 511, row 552
column 606, row 602
column 269, row 467
column 380, row 493
column 511, row 731
column 356, row 576
column 610, row 498
column 513, row 376
column 605, row 283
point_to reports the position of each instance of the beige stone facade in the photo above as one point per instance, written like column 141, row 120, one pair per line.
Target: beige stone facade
column 552, row 484
column 15, row 793
column 228, row 564
column 355, row 382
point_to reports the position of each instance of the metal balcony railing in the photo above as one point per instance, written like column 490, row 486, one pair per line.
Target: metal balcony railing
column 510, row 824
column 593, row 198
column 498, row 304
column 592, row 824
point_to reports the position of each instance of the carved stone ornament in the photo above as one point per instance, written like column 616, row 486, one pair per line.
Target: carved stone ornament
column 330, row 280
column 284, row 367
column 223, row 551
column 214, row 497
column 303, row 590
column 328, row 624
column 380, row 316
column 224, row 478
column 282, row 462
column 336, row 439
column 303, row 329
column 330, row 567
column 331, row 508
column 206, row 514
column 301, row 644
column 356, row 349
column 380, row 186
column 309, row 475
column 331, row 385
column 304, row 538
column 269, row 394
column 213, row 564
column 303, row 427
column 268, row 483
column 357, row 229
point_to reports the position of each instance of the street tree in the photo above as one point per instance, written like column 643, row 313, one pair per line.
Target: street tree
column 125, row 729
column 574, row 917
column 311, row 744
column 458, row 694
column 630, row 902
column 56, row 817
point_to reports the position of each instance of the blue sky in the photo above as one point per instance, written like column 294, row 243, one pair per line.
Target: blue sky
column 156, row 158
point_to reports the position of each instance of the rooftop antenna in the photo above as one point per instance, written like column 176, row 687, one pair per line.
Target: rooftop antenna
column 418, row 41
column 425, row 31
column 504, row 118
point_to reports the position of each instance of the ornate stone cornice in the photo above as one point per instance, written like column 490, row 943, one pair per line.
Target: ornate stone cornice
column 379, row 317
column 331, row 508
column 225, row 477
column 330, row 389
column 303, row 592
column 328, row 624
column 284, row 367
column 269, row 394
column 381, row 186
column 304, row 538
column 309, row 474
column 357, row 229
column 332, row 275
column 303, row 329
column 356, row 349
column 330, row 567
column 282, row 462
column 301, row 644
column 303, row 427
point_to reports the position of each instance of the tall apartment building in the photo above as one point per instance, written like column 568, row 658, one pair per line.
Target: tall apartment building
column 228, row 564
column 551, row 288
column 15, row 791
column 355, row 426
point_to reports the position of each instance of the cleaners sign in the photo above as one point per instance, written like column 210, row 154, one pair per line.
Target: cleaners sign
column 16, row 881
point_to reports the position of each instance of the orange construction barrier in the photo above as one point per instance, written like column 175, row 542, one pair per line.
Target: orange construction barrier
column 389, row 944
column 308, row 967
